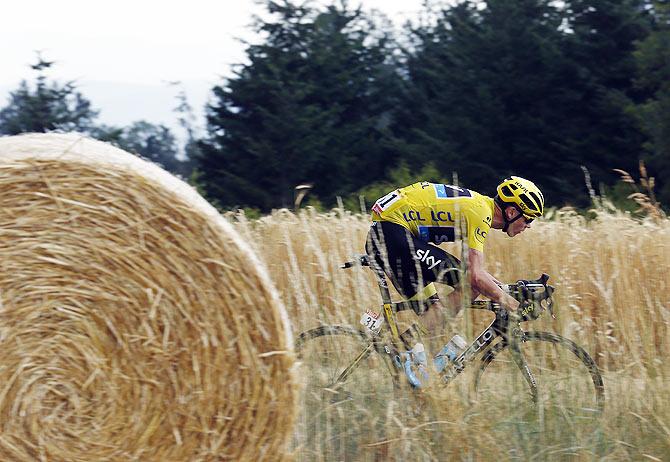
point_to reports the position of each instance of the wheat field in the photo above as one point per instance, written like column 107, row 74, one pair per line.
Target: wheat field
column 612, row 298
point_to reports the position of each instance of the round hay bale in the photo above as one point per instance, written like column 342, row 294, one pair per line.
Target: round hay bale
column 135, row 324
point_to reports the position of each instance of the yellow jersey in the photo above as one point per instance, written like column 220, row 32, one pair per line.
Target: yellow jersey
column 438, row 213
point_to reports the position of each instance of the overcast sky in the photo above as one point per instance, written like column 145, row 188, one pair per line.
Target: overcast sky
column 122, row 54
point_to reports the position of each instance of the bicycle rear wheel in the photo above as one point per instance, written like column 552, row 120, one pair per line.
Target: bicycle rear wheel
column 341, row 411
column 551, row 379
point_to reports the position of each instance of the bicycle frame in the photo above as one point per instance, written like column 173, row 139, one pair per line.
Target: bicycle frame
column 499, row 327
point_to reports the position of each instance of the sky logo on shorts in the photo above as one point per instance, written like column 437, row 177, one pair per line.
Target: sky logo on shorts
column 425, row 257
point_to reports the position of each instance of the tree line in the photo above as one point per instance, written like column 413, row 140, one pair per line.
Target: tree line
column 335, row 98
column 45, row 105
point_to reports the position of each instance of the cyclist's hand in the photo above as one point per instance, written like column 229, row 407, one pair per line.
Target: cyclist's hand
column 515, row 315
column 509, row 303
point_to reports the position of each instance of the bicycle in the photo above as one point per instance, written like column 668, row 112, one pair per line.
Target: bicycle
column 504, row 350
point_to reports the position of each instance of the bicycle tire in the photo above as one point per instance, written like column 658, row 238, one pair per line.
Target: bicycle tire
column 337, row 419
column 359, row 338
column 575, row 391
column 328, row 330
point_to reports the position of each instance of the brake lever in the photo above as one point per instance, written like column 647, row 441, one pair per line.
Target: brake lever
column 550, row 308
column 525, row 288
column 550, row 301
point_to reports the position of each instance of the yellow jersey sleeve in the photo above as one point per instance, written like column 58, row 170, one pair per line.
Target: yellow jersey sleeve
column 478, row 218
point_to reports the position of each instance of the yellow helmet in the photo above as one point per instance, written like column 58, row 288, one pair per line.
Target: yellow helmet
column 523, row 194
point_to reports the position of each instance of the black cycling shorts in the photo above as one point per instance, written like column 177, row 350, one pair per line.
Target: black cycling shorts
column 410, row 263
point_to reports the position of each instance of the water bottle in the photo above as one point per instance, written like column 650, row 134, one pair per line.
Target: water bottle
column 449, row 352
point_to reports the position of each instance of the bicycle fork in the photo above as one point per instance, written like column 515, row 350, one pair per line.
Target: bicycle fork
column 521, row 363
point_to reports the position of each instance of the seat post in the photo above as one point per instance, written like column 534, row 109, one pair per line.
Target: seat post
column 389, row 314
column 381, row 281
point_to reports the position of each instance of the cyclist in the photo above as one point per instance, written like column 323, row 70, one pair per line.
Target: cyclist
column 406, row 223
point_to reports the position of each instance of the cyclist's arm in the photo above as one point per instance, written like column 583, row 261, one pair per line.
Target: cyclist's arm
column 484, row 283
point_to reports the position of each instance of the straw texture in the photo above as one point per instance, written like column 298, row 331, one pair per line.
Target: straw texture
column 135, row 323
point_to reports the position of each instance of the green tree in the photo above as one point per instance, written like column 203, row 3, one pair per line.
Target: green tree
column 653, row 78
column 488, row 93
column 46, row 106
column 187, row 121
column 533, row 87
column 600, row 39
column 153, row 142
column 311, row 106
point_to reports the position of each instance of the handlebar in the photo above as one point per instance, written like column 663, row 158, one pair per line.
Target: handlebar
column 536, row 294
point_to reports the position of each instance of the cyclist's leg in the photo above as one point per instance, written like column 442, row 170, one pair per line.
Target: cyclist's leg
column 413, row 265
column 455, row 301
column 434, row 320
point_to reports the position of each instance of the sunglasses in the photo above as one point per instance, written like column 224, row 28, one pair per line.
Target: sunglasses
column 521, row 214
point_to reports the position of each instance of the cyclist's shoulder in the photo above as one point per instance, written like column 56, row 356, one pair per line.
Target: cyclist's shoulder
column 481, row 201
column 444, row 196
column 481, row 208
column 418, row 187
column 452, row 194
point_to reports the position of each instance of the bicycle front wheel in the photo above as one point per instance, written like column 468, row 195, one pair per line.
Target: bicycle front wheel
column 348, row 385
column 544, row 373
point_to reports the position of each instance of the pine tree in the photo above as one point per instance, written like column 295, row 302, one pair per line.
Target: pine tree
column 653, row 79
column 534, row 87
column 151, row 141
column 601, row 41
column 309, row 107
column 46, row 107
column 487, row 93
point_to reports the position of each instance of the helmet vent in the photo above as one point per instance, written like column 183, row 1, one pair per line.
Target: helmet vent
column 538, row 201
column 506, row 191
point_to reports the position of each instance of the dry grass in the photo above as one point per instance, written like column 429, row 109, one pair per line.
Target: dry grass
column 643, row 194
column 611, row 276
column 135, row 324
